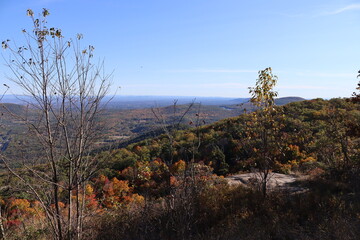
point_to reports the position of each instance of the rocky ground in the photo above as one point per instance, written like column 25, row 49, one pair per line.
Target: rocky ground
column 276, row 181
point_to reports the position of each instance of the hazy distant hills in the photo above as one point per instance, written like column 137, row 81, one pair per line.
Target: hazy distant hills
column 16, row 99
column 138, row 102
column 141, row 102
column 7, row 109
column 286, row 100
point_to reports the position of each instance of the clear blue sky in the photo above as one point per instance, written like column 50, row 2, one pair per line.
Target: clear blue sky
column 209, row 47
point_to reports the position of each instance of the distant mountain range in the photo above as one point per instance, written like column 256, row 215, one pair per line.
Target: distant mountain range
column 137, row 102
column 286, row 100
column 140, row 102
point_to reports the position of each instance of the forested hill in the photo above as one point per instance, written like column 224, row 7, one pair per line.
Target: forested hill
column 132, row 124
column 286, row 100
column 177, row 177
column 311, row 135
column 121, row 126
column 9, row 110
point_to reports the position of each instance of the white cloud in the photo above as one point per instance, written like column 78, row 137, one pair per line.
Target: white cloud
column 305, row 87
column 326, row 74
column 229, row 85
column 223, row 85
column 344, row 9
column 212, row 71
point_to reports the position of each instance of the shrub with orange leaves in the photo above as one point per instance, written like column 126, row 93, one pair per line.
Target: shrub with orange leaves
column 178, row 167
column 112, row 193
column 19, row 210
column 91, row 201
column 173, row 181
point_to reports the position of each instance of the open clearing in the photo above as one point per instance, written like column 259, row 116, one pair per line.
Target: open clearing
column 276, row 181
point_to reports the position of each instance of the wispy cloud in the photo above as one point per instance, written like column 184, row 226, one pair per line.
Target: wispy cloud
column 201, row 70
column 298, row 72
column 223, row 85
column 305, row 87
column 229, row 85
column 343, row 9
column 326, row 74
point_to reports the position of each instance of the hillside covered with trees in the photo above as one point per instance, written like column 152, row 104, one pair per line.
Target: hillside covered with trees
column 173, row 185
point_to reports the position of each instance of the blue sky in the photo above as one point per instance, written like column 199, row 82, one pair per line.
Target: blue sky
column 209, row 47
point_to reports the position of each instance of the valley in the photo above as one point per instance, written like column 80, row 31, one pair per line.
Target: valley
column 122, row 122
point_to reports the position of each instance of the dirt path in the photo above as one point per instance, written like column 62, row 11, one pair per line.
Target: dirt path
column 275, row 181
